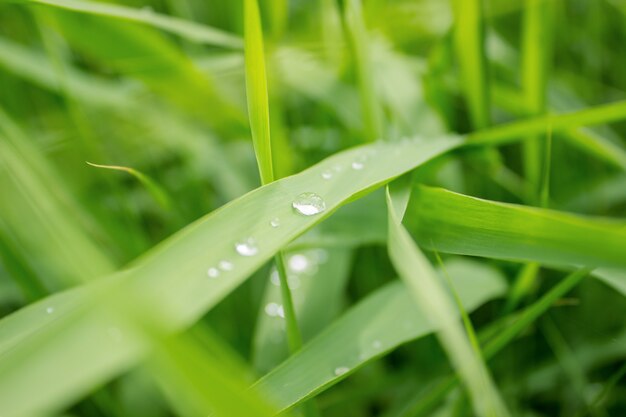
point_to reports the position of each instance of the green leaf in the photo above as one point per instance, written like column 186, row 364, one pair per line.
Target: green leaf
column 256, row 90
column 468, row 42
column 383, row 321
column 432, row 298
column 455, row 223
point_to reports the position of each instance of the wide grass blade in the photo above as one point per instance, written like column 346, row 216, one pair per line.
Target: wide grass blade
column 509, row 231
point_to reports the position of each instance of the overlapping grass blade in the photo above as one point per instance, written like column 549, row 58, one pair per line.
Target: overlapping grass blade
column 433, row 299
column 384, row 320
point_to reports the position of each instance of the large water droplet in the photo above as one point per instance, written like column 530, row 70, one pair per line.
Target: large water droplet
column 213, row 272
column 225, row 265
column 340, row 370
column 275, row 222
column 309, row 204
column 246, row 247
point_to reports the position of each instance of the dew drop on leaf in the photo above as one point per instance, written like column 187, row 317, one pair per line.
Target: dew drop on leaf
column 247, row 247
column 309, row 204
column 213, row 272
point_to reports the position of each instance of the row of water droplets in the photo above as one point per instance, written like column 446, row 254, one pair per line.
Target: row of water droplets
column 359, row 163
column 306, row 204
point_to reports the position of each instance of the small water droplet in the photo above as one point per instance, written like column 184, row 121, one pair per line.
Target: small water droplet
column 275, row 222
column 225, row 265
column 246, row 247
column 340, row 370
column 309, row 204
column 357, row 165
column 337, row 168
column 272, row 309
column 298, row 263
column 213, row 272
column 280, row 312
column 274, row 278
column 376, row 344
column 49, row 310
column 328, row 174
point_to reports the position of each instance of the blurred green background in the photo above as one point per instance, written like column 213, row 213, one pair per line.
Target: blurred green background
column 166, row 98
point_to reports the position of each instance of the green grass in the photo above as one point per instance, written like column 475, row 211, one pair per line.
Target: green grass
column 329, row 208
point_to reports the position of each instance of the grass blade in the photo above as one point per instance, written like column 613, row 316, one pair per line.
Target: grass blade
column 369, row 330
column 433, row 299
column 191, row 31
column 256, row 90
column 509, row 231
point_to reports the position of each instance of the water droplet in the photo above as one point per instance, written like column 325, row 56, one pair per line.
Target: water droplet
column 274, row 278
column 272, row 309
column 340, row 370
column 247, row 247
column 309, row 204
column 275, row 222
column 225, row 265
column 328, row 174
column 337, row 168
column 357, row 165
column 213, row 272
column 280, row 312
column 376, row 344
column 298, row 263
column 49, row 310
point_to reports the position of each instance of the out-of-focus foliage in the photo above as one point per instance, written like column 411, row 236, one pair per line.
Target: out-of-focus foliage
column 153, row 291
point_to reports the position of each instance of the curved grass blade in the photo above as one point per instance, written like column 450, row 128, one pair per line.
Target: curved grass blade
column 157, row 192
column 509, row 231
column 433, row 299
column 189, row 30
column 171, row 285
column 377, row 325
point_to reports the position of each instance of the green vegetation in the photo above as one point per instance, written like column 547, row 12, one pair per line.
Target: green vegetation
column 338, row 208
